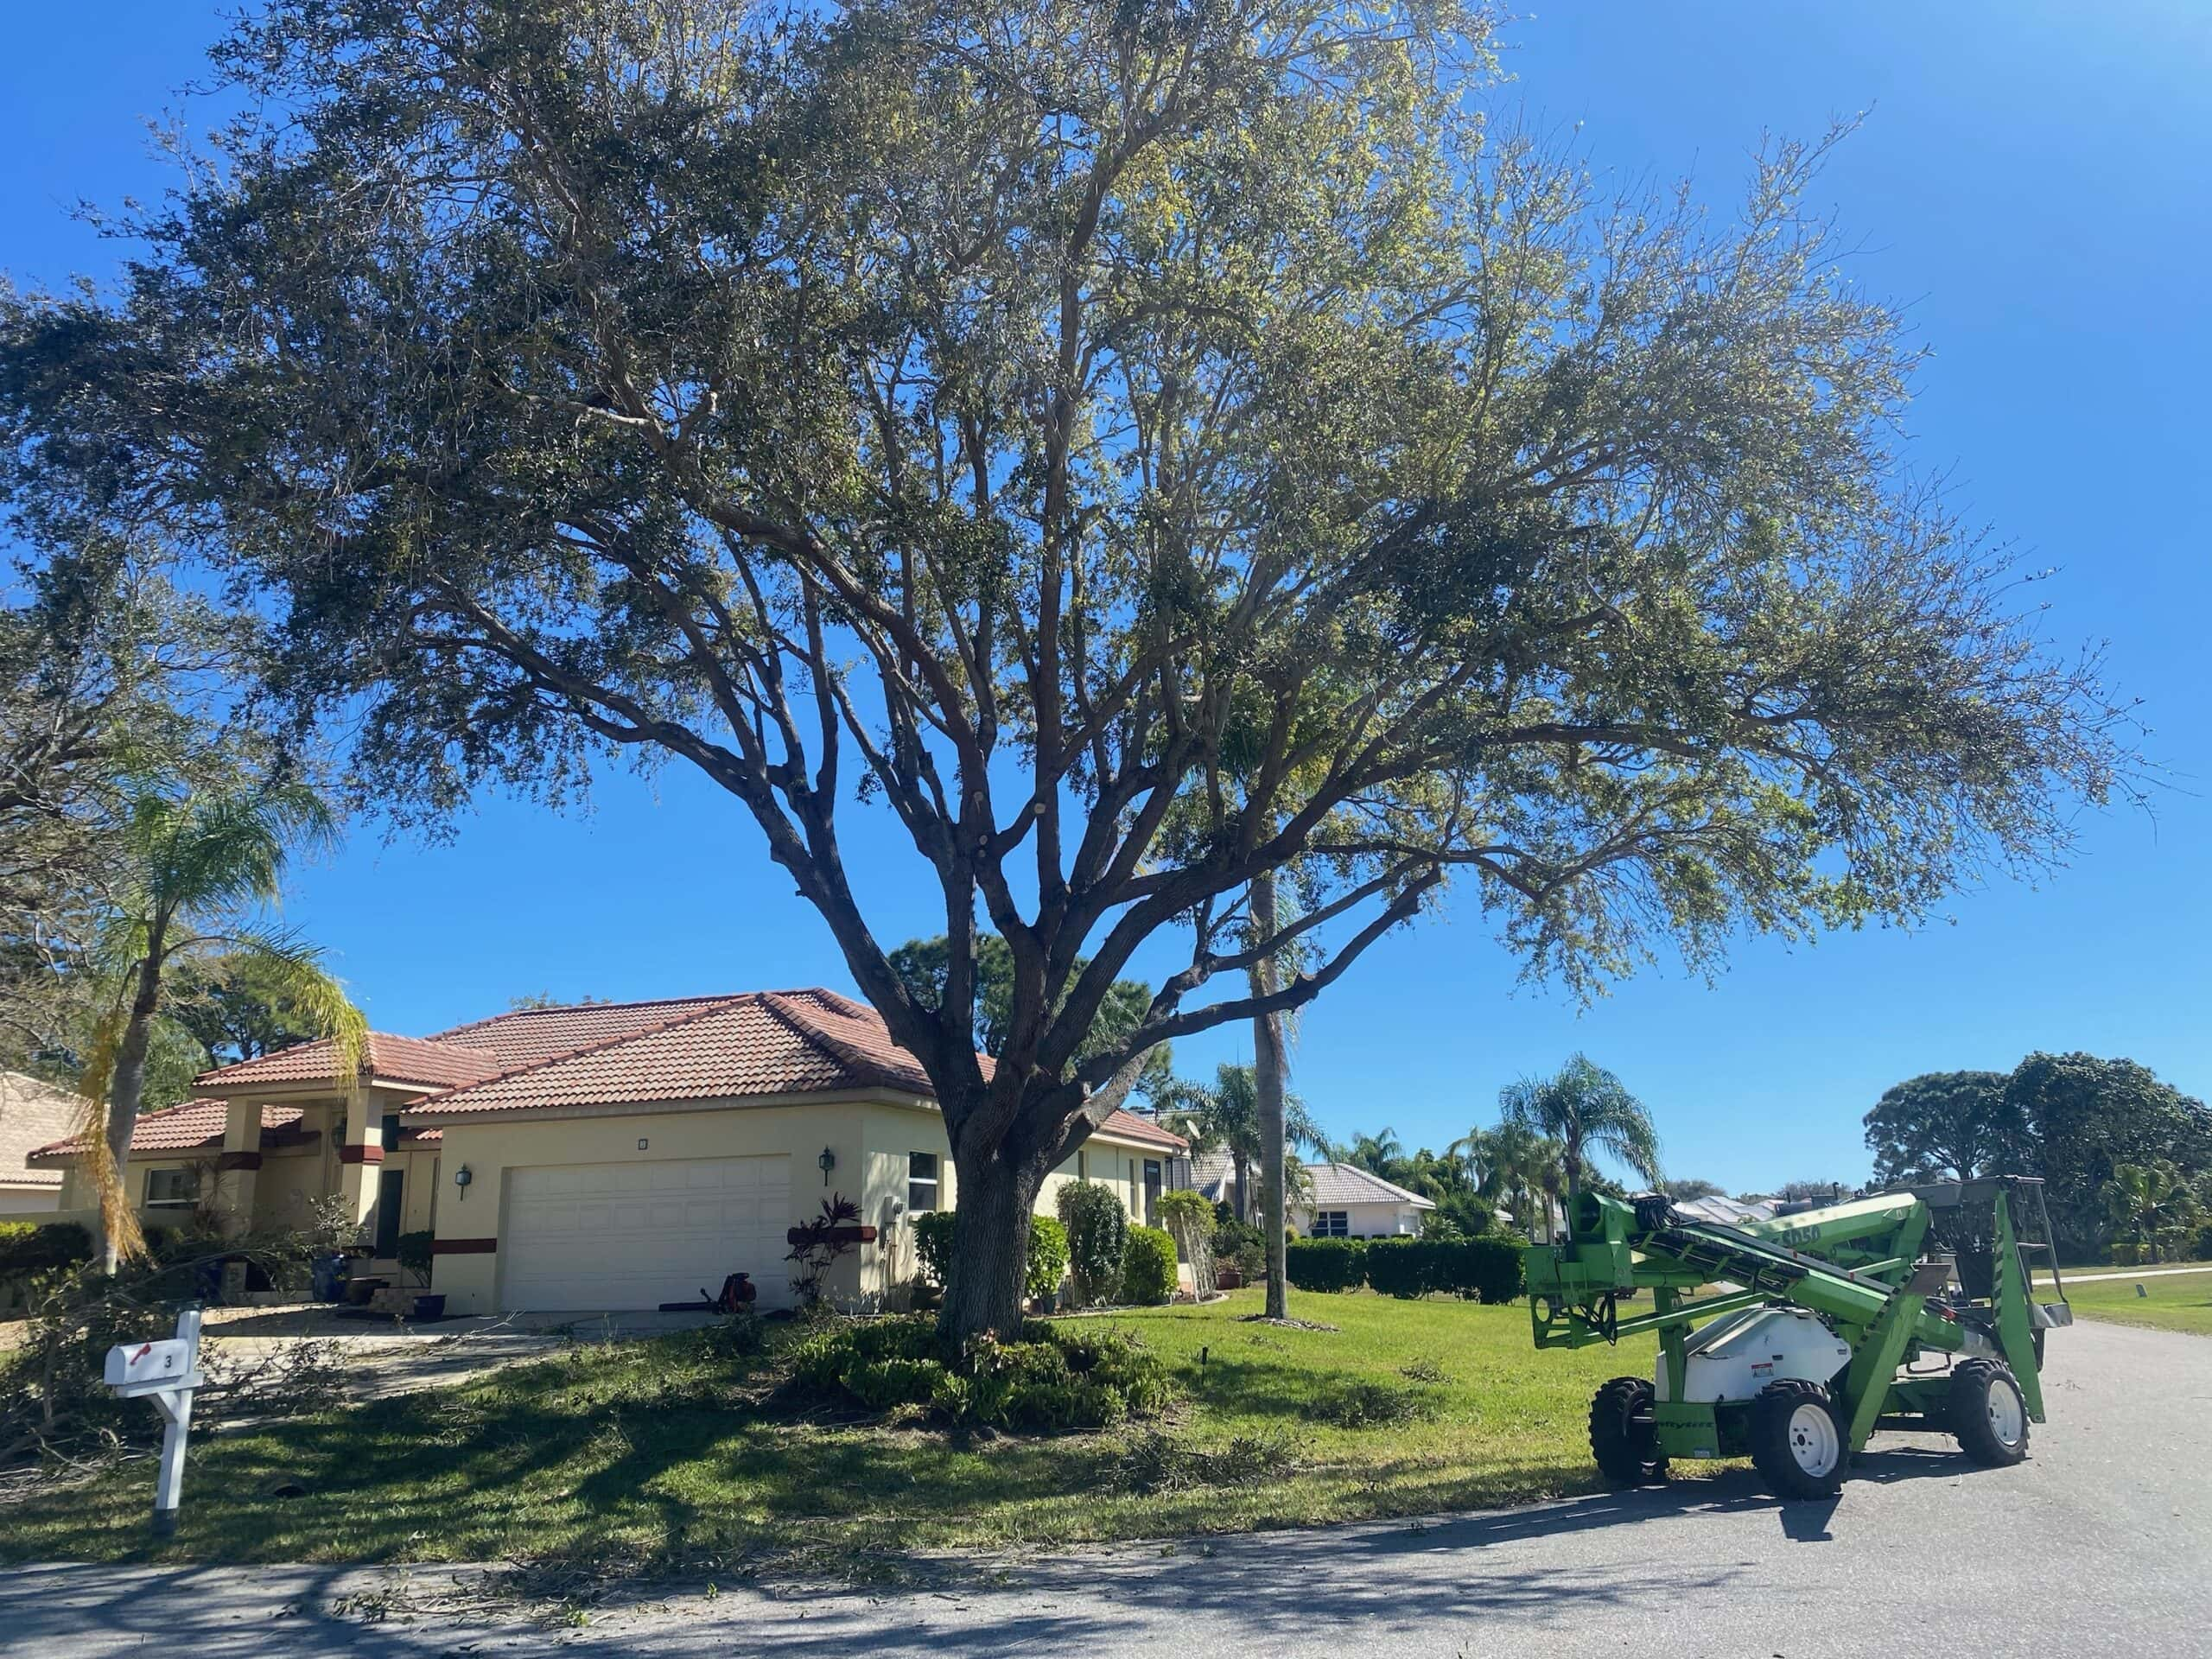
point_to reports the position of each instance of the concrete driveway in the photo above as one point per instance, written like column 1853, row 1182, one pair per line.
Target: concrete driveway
column 2101, row 1543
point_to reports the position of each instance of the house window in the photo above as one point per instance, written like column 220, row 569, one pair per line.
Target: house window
column 172, row 1189
column 390, row 1128
column 921, row 1181
column 1152, row 1192
column 1331, row 1224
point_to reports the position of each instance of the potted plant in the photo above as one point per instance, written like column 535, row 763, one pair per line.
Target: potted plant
column 416, row 1257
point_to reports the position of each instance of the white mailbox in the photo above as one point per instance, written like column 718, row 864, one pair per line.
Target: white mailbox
column 165, row 1370
column 143, row 1367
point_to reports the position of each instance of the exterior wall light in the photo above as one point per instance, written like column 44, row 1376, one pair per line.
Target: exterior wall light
column 461, row 1178
column 825, row 1163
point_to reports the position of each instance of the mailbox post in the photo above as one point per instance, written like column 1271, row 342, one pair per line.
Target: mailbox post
column 166, row 1372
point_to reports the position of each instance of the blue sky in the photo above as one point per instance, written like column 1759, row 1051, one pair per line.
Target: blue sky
column 2031, row 182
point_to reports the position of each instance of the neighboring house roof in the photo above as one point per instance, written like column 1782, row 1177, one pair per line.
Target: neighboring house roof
column 384, row 1058
column 1335, row 1183
column 32, row 1114
column 196, row 1126
column 1213, row 1174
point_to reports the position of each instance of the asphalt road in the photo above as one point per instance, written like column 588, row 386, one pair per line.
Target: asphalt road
column 2101, row 1543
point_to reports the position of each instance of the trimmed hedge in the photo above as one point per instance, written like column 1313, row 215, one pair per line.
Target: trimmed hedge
column 1405, row 1267
column 1486, row 1269
column 29, row 1247
column 1324, row 1263
column 1147, row 1266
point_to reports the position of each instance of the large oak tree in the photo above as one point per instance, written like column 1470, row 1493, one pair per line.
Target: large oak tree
column 1141, row 447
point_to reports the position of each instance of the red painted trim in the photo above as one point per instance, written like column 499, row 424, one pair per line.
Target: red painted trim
column 350, row 1154
column 464, row 1246
column 864, row 1235
column 238, row 1160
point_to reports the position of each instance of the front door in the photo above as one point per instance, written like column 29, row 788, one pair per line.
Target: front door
column 392, row 1186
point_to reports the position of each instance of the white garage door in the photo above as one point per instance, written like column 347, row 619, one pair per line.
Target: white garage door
column 608, row 1236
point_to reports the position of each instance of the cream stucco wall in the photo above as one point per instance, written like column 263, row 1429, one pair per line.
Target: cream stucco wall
column 1364, row 1220
column 871, row 1139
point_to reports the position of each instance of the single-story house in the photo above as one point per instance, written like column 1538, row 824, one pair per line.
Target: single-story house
column 1331, row 1201
column 604, row 1157
column 1344, row 1201
column 32, row 1114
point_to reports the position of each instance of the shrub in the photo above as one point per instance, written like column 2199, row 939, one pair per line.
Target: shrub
column 1097, row 1228
column 1048, row 1256
column 2126, row 1253
column 1324, row 1263
column 1194, row 1207
column 1047, row 1260
column 1047, row 1379
column 29, row 1247
column 1147, row 1266
column 933, row 1231
column 1401, row 1267
column 1243, row 1244
column 415, row 1255
column 818, row 1245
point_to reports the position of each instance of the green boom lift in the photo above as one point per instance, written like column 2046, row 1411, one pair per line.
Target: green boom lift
column 1813, row 1330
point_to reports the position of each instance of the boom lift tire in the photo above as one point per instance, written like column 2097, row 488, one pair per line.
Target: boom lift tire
column 1621, row 1437
column 1986, row 1413
column 1800, row 1443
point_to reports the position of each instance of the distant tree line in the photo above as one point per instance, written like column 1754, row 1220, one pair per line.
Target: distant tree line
column 2125, row 1158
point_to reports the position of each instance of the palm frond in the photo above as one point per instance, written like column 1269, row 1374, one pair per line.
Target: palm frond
column 295, row 982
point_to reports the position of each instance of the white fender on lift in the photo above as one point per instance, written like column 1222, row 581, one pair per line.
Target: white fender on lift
column 1739, row 1354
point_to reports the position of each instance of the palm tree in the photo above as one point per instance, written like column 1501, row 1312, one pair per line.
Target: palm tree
column 1225, row 1118
column 196, row 874
column 1510, row 1164
column 2149, row 1201
column 1586, row 1108
column 1375, row 1153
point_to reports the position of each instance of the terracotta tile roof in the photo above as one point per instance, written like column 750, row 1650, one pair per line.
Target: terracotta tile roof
column 755, row 1044
column 1132, row 1125
column 386, row 1058
column 709, row 1049
column 32, row 1113
column 196, row 1126
column 526, row 1036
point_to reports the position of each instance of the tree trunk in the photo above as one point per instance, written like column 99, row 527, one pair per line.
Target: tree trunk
column 1268, row 1085
column 1243, row 1167
column 126, row 1089
column 993, row 1202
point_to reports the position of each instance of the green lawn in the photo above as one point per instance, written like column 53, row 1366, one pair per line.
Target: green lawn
column 2179, row 1301
column 651, row 1450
